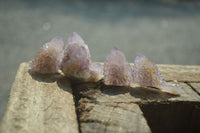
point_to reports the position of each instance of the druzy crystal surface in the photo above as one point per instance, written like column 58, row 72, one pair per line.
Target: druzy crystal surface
column 117, row 70
column 49, row 57
column 96, row 72
column 77, row 62
column 146, row 73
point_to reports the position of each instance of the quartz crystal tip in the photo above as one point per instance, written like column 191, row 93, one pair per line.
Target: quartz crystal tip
column 76, row 59
column 117, row 70
column 146, row 73
column 75, row 39
column 49, row 57
column 77, row 62
column 96, row 72
column 58, row 41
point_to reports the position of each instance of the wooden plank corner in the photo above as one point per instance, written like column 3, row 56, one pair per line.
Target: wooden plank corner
column 39, row 106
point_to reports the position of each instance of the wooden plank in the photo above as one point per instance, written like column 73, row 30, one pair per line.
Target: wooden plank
column 45, row 104
column 196, row 87
column 105, row 94
column 103, row 108
column 186, row 94
column 39, row 104
column 107, row 111
column 112, row 117
column 181, row 73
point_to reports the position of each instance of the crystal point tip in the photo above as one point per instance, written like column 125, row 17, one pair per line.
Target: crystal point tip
column 58, row 41
column 75, row 38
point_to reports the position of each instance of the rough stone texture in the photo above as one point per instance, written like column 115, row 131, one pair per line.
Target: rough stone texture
column 48, row 59
column 117, row 70
column 39, row 105
column 146, row 73
column 77, row 62
column 76, row 58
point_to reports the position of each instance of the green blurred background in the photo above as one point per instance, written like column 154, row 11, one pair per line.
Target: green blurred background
column 166, row 31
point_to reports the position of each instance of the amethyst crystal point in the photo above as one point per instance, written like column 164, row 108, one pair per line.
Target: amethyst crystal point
column 58, row 41
column 77, row 59
column 48, row 58
column 117, row 70
column 75, row 38
column 96, row 72
column 146, row 73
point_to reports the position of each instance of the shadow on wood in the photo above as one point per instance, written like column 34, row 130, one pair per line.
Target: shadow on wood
column 49, row 78
column 147, row 93
column 63, row 84
column 175, row 117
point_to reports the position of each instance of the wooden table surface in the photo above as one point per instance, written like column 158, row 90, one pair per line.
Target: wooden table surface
column 54, row 104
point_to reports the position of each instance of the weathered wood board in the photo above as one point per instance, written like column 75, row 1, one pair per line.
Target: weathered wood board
column 196, row 87
column 39, row 105
column 45, row 104
column 116, row 109
column 180, row 73
column 104, row 108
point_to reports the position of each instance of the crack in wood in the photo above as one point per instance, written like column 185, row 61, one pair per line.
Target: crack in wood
column 192, row 88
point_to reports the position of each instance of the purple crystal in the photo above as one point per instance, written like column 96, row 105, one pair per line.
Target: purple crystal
column 96, row 72
column 117, row 70
column 75, row 39
column 77, row 61
column 58, row 41
column 48, row 59
column 146, row 73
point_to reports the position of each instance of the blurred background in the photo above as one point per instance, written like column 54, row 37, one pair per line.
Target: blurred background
column 166, row 31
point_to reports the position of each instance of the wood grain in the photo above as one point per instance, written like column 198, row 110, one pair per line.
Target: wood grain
column 44, row 103
column 196, row 87
column 112, row 117
column 39, row 105
column 180, row 72
column 104, row 108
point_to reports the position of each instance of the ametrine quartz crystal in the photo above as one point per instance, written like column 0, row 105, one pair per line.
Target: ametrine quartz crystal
column 77, row 62
column 146, row 74
column 117, row 70
column 49, row 58
column 96, row 72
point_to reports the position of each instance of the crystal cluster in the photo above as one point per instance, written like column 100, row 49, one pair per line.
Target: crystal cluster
column 49, row 58
column 146, row 73
column 117, row 70
column 77, row 62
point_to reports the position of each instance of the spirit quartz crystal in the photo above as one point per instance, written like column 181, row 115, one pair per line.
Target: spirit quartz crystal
column 77, row 62
column 49, row 57
column 146, row 74
column 117, row 70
